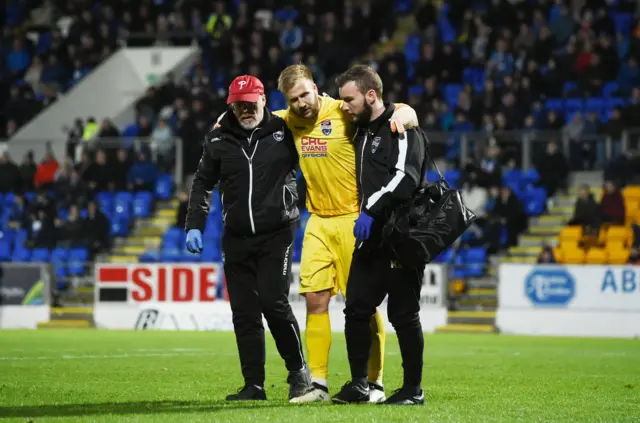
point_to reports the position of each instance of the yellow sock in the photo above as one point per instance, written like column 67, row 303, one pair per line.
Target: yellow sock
column 318, row 341
column 376, row 359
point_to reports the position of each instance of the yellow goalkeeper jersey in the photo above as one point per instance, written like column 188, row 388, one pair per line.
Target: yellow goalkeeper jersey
column 327, row 158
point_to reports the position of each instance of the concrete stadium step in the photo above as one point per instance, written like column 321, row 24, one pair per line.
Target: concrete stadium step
column 71, row 313
column 123, row 259
column 520, row 259
column 532, row 240
column 482, row 292
column 545, row 230
column 562, row 210
column 524, row 250
column 130, row 250
column 168, row 213
column 156, row 222
column 550, row 220
column 475, row 303
column 150, row 231
column 472, row 317
column 482, row 283
column 142, row 240
column 73, row 297
column 464, row 328
column 65, row 324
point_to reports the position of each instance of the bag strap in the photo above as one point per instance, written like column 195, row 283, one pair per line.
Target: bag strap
column 430, row 158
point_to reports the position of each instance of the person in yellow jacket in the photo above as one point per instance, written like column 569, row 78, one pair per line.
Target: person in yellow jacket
column 322, row 133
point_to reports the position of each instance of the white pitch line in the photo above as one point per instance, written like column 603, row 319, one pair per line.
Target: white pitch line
column 101, row 357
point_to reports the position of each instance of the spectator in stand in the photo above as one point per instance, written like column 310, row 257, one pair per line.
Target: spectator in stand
column 10, row 178
column 19, row 59
column 512, row 215
column 162, row 139
column 182, row 209
column 98, row 174
column 19, row 212
column 46, row 172
column 476, row 199
column 586, row 212
column 108, row 129
column 41, row 230
column 553, row 169
column 96, row 229
column 28, row 170
column 120, row 170
column 624, row 170
column 546, row 256
column 612, row 208
column 71, row 229
column 142, row 174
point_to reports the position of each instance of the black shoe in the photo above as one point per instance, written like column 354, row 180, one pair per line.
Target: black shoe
column 405, row 396
column 248, row 393
column 352, row 393
column 299, row 383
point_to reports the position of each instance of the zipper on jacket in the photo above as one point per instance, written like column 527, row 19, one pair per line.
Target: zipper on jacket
column 250, row 160
column 364, row 144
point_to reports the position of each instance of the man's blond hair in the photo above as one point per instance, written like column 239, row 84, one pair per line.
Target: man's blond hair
column 290, row 76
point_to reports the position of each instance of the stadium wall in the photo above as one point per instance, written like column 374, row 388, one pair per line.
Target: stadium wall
column 555, row 300
column 193, row 297
column 24, row 299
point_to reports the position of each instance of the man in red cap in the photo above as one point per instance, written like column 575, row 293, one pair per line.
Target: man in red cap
column 251, row 155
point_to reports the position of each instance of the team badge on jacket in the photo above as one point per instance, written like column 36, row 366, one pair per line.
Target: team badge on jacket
column 325, row 125
column 374, row 144
column 278, row 135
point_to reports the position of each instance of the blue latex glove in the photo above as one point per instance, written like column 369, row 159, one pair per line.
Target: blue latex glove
column 362, row 230
column 194, row 241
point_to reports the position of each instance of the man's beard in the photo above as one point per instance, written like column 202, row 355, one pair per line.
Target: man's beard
column 365, row 115
column 248, row 126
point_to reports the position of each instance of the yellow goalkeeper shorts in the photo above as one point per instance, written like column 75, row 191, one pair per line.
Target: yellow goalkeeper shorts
column 327, row 250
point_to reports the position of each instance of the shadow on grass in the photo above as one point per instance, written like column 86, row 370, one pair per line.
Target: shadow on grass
column 142, row 407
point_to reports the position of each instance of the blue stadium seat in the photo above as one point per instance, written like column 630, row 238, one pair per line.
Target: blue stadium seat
column 569, row 86
column 297, row 254
column 164, row 186
column 573, row 105
column 123, row 202
column 211, row 255
column 623, row 23
column 21, row 255
column 446, row 256
column 5, row 250
column 609, row 89
column 554, row 104
column 173, row 238
column 142, row 204
column 20, row 238
column 120, row 226
column 150, row 256
column 432, row 176
column 412, row 49
column 173, row 255
column 451, row 92
column 106, row 202
column 188, row 257
column 594, row 105
column 77, row 259
column 614, row 102
column 60, row 270
column 416, row 90
column 40, row 255
column 531, row 176
column 512, row 175
column 60, row 255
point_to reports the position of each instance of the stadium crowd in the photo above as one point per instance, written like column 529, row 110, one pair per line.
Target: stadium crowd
column 482, row 67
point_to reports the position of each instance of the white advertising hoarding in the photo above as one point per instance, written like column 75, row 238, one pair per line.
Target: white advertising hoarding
column 589, row 300
column 192, row 297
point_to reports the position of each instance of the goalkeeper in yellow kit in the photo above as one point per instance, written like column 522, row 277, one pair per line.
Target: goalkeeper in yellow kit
column 323, row 134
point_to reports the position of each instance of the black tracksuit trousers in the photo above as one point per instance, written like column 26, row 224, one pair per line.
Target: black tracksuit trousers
column 257, row 270
column 371, row 278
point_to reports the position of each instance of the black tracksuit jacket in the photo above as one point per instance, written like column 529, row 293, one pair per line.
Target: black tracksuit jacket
column 389, row 168
column 257, row 175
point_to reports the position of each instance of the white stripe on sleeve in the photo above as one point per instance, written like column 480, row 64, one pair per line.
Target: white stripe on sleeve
column 397, row 178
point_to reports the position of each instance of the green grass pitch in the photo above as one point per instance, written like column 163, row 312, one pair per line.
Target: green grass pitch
column 151, row 376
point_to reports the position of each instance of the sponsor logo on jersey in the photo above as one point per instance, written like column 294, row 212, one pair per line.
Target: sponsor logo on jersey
column 314, row 147
column 374, row 144
column 325, row 125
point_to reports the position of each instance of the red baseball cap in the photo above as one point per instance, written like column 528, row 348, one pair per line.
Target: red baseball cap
column 245, row 88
